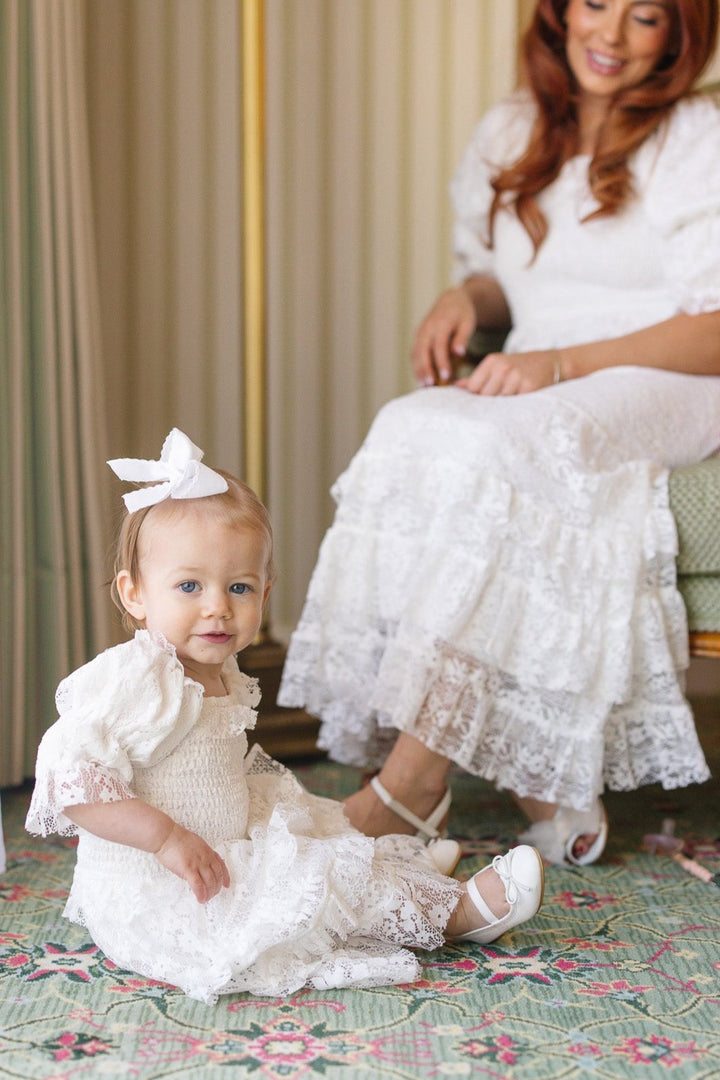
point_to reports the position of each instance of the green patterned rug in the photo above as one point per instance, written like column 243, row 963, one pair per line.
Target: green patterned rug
column 619, row 975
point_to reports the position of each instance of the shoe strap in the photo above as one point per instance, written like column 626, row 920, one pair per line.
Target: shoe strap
column 473, row 892
column 428, row 827
column 501, row 866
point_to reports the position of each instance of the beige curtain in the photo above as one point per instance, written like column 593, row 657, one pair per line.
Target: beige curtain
column 53, row 611
column 370, row 104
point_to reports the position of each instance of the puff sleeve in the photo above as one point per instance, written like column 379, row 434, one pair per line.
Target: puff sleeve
column 129, row 706
column 246, row 691
column 499, row 139
column 682, row 202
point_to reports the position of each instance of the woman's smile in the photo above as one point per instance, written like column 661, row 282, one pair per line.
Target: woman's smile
column 603, row 64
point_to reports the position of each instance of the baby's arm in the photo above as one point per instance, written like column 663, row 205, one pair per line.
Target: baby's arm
column 137, row 824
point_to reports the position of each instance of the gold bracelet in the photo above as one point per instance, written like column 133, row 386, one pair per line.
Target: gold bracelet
column 557, row 367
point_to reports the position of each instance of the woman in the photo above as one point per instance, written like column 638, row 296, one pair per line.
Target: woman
column 499, row 583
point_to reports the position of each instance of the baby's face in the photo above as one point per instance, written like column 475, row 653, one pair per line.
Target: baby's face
column 203, row 584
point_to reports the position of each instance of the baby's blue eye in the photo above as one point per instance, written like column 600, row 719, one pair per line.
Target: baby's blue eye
column 239, row 588
column 188, row 586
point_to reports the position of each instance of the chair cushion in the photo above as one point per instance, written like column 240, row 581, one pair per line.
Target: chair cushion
column 701, row 595
column 695, row 503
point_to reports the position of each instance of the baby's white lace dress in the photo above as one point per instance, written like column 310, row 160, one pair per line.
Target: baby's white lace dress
column 311, row 901
column 499, row 580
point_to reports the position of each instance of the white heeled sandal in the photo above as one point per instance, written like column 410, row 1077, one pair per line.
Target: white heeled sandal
column 556, row 838
column 521, row 872
column 444, row 853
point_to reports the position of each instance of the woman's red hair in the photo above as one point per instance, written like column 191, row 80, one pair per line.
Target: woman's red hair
column 634, row 114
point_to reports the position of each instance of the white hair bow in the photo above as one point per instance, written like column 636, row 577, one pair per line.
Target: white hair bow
column 179, row 474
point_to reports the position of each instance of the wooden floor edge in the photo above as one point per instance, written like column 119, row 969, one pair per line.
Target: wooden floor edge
column 705, row 643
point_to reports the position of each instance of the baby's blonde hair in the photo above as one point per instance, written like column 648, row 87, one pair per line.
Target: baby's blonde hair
column 238, row 507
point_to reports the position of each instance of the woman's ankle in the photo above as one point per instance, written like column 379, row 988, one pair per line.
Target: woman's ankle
column 414, row 777
column 414, row 774
column 367, row 812
column 535, row 809
column 421, row 794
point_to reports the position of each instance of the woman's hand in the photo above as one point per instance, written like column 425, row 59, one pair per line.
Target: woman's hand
column 442, row 337
column 501, row 374
column 187, row 855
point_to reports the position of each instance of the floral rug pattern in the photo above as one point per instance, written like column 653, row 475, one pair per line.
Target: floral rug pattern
column 618, row 976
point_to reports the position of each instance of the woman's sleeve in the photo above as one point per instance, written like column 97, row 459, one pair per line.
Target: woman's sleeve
column 683, row 204
column 498, row 140
column 129, row 706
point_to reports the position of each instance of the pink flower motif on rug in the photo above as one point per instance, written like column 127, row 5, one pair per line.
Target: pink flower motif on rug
column 599, row 944
column 74, row 1046
column 78, row 965
column 433, row 989
column 13, row 894
column 282, row 1048
column 620, row 989
column 301, row 1000
column 502, row 1049
column 586, row 1050
column 658, row 1049
column 585, row 899
column 534, row 963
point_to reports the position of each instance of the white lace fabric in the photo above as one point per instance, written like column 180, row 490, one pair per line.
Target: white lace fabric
column 312, row 902
column 603, row 278
column 499, row 580
column 87, row 755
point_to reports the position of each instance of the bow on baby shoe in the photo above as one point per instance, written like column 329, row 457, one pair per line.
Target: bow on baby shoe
column 179, row 474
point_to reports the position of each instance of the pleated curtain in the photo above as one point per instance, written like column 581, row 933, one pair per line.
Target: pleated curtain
column 54, row 613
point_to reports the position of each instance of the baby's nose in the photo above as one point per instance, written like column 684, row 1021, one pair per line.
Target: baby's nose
column 217, row 603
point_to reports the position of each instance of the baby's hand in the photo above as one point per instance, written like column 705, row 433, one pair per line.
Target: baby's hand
column 187, row 855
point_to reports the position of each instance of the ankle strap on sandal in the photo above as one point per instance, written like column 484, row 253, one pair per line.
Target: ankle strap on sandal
column 428, row 827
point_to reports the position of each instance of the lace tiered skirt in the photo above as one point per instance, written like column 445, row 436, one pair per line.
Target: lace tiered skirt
column 311, row 902
column 499, row 581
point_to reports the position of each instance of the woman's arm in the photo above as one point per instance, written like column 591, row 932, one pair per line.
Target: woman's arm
column 684, row 343
column 137, row 824
column 444, row 333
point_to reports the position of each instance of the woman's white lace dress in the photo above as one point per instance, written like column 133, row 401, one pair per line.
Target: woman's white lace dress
column 311, row 901
column 500, row 577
